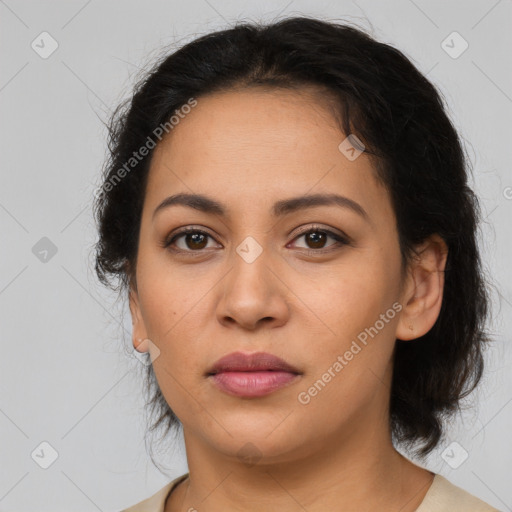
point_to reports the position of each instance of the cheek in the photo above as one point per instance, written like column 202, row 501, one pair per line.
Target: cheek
column 178, row 368
column 350, row 297
column 355, row 319
column 168, row 300
column 352, row 348
column 178, row 388
column 177, row 311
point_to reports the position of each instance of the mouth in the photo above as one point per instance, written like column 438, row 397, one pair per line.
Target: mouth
column 252, row 375
column 252, row 384
column 255, row 362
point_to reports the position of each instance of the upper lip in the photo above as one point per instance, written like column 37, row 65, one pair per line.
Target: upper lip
column 258, row 361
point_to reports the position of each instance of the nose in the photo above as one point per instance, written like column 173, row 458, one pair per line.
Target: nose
column 253, row 295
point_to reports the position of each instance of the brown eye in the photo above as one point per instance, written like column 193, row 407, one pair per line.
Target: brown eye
column 316, row 239
column 194, row 240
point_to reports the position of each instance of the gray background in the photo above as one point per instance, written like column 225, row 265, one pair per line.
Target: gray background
column 66, row 359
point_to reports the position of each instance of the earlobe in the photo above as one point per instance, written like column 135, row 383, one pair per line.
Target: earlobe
column 423, row 295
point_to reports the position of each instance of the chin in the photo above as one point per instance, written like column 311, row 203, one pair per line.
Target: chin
column 260, row 442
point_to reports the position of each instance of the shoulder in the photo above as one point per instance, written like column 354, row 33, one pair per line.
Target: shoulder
column 443, row 496
column 156, row 502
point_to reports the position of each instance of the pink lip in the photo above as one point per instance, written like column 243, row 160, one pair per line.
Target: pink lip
column 251, row 375
column 252, row 384
column 257, row 361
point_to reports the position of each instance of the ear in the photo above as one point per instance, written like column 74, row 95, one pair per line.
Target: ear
column 139, row 333
column 423, row 290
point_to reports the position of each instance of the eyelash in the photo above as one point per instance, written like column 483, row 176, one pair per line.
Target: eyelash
column 341, row 240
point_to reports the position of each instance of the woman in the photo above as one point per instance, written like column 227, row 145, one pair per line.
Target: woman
column 287, row 209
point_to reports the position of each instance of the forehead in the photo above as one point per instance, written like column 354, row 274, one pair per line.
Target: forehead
column 257, row 146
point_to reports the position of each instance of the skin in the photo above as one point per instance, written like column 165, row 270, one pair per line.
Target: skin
column 248, row 149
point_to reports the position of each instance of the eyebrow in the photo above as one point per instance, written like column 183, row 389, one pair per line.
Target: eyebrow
column 286, row 206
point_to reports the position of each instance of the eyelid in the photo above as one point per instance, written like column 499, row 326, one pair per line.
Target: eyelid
column 320, row 227
column 174, row 235
column 340, row 238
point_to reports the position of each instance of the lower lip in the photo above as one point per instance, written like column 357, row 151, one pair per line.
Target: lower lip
column 252, row 384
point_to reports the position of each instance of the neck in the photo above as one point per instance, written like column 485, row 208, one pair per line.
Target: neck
column 382, row 480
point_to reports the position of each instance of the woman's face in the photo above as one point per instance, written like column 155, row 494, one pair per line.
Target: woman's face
column 258, row 282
